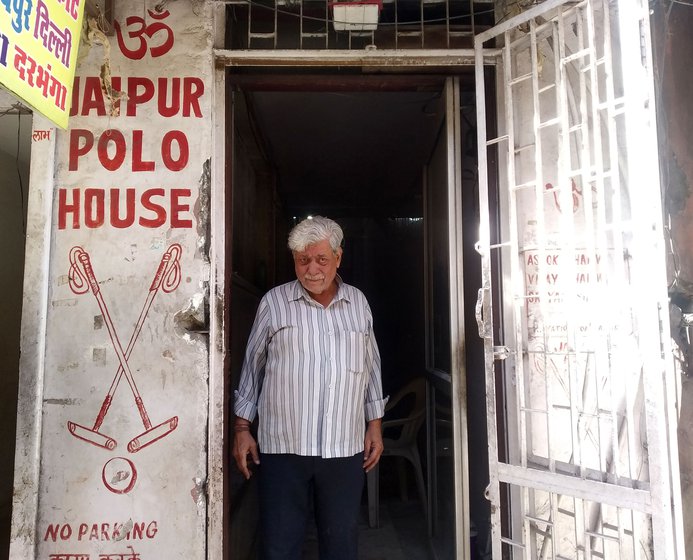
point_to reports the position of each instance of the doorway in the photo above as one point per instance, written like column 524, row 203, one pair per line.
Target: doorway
column 373, row 153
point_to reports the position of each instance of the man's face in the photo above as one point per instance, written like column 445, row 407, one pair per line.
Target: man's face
column 316, row 266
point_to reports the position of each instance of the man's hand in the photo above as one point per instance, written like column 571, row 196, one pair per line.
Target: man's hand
column 243, row 445
column 373, row 444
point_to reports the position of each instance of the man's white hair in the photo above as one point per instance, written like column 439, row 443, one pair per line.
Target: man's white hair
column 314, row 230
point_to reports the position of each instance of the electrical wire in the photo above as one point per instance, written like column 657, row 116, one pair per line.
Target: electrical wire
column 19, row 173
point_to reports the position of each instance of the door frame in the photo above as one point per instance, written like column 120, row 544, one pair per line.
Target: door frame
column 397, row 62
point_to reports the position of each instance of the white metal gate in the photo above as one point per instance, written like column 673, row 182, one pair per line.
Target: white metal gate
column 573, row 308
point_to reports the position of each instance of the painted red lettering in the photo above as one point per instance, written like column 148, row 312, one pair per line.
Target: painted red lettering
column 152, row 529
column 193, row 89
column 64, row 208
column 83, row 527
column 183, row 150
column 77, row 151
column 123, row 208
column 137, row 163
column 166, row 110
column 177, row 208
column 94, row 207
column 93, row 97
column 55, row 531
column 134, row 97
column 112, row 149
column 118, row 140
column 116, row 220
column 75, row 97
column 174, row 95
column 158, row 210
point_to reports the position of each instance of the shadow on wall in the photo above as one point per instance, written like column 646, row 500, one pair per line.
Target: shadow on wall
column 15, row 173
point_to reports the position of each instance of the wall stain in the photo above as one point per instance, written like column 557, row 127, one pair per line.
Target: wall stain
column 69, row 302
column 98, row 356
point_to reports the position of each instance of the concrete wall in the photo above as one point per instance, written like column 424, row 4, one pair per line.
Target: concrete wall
column 113, row 404
column 12, row 212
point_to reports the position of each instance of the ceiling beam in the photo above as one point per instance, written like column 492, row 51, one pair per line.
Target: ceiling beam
column 389, row 59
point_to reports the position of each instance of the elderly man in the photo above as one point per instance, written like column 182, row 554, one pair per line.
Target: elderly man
column 312, row 374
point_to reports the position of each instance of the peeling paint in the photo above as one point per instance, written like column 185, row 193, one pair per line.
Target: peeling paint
column 96, row 36
column 202, row 210
column 192, row 319
column 98, row 322
column 125, row 531
column 119, row 476
column 219, row 342
column 198, row 492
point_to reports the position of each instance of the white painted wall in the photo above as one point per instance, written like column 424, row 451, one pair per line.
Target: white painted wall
column 125, row 190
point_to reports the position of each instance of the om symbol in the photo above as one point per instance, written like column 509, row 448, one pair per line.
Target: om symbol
column 138, row 28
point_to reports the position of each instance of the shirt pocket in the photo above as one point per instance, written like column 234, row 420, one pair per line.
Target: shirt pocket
column 354, row 351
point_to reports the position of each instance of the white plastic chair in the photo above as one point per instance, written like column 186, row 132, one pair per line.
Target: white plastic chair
column 405, row 446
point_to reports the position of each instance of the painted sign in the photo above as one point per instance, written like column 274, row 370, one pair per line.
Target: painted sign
column 125, row 393
column 38, row 52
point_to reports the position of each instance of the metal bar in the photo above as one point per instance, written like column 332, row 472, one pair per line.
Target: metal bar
column 641, row 147
column 618, row 276
column 566, row 269
column 524, row 422
column 493, row 489
column 513, row 22
column 604, row 492
column 497, row 140
column 542, row 287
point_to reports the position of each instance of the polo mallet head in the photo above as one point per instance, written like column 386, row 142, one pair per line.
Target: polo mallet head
column 152, row 434
column 91, row 436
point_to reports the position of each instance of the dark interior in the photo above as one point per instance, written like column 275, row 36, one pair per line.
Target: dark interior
column 355, row 149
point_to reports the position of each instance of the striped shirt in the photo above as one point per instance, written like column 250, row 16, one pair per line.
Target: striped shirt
column 311, row 373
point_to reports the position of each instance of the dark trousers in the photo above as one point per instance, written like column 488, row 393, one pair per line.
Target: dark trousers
column 286, row 484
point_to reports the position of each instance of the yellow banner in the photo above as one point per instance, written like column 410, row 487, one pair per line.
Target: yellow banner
column 38, row 52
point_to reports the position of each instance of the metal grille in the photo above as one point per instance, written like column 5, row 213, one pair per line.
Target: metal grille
column 575, row 264
column 401, row 24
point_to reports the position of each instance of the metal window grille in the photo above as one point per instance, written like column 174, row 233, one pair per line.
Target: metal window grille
column 401, row 24
column 575, row 271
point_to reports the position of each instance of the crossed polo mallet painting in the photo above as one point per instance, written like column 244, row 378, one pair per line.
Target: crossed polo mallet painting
column 81, row 278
